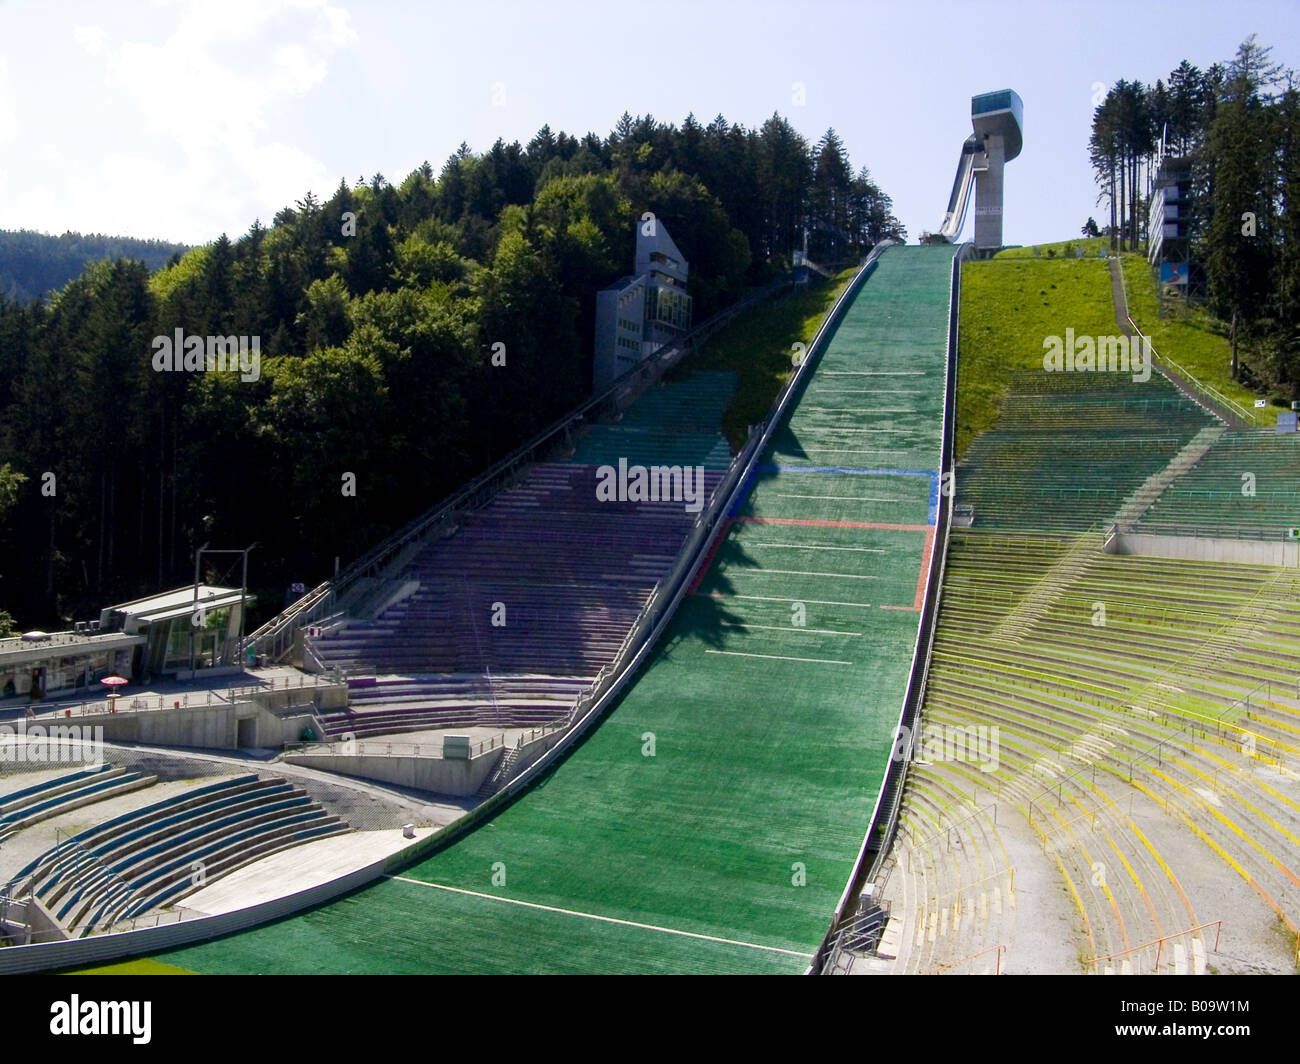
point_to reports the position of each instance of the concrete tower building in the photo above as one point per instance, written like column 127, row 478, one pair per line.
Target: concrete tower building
column 998, row 121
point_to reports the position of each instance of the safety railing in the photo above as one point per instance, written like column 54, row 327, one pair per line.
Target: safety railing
column 1200, row 531
column 181, row 699
column 1159, row 943
column 275, row 637
column 1207, row 390
column 943, row 969
column 432, row 748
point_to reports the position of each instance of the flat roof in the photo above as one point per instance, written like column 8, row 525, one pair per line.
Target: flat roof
column 18, row 651
column 621, row 283
column 179, row 602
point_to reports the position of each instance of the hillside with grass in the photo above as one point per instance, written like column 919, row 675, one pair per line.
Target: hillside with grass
column 1008, row 306
column 1191, row 337
column 1085, row 247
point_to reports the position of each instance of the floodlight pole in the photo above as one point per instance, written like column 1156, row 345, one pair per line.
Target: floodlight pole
column 243, row 595
column 194, row 611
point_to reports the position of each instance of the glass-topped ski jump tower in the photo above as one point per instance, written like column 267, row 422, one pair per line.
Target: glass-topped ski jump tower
column 998, row 120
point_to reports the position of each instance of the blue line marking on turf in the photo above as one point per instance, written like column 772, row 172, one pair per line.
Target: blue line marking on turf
column 851, row 472
column 742, row 496
column 933, row 517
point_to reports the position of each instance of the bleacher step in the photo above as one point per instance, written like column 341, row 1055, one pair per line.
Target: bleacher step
column 1155, row 485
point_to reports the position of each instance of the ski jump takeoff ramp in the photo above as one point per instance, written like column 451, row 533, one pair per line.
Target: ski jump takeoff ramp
column 711, row 821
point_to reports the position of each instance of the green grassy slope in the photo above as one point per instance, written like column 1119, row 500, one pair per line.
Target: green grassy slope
column 1192, row 337
column 1008, row 307
column 757, row 347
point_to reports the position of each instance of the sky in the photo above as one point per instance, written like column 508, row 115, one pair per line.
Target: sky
column 182, row 120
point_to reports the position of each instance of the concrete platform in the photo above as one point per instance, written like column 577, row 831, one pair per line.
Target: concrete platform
column 138, row 698
column 298, row 869
column 427, row 742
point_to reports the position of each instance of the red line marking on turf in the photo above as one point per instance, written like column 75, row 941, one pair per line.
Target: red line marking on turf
column 703, row 570
column 834, row 524
column 926, row 551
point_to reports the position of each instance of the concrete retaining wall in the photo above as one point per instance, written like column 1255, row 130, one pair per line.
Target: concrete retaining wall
column 427, row 773
column 460, row 778
column 1205, row 549
column 201, row 727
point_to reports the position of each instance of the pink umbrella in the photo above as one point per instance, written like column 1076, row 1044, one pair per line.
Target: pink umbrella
column 113, row 682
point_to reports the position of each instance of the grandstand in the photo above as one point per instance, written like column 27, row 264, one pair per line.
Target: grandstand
column 513, row 616
column 144, row 859
column 1215, row 497
column 1151, row 757
column 768, row 704
column 1071, row 448
column 153, row 841
column 31, row 804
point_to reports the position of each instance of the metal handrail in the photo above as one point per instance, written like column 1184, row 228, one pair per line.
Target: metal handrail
column 378, row 745
column 1209, row 390
column 1213, row 393
column 287, row 613
column 1000, row 949
column 1199, row 531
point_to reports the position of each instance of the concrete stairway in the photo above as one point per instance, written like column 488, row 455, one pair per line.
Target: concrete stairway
column 1017, row 622
column 1154, row 486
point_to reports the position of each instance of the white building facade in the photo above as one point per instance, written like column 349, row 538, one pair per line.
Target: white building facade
column 638, row 314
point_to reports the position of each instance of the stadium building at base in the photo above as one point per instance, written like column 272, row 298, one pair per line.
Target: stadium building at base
column 150, row 637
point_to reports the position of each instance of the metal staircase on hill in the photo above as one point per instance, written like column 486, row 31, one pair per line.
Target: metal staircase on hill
column 499, row 775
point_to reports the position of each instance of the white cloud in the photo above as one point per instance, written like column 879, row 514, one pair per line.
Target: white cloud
column 199, row 150
column 92, row 39
column 296, row 70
